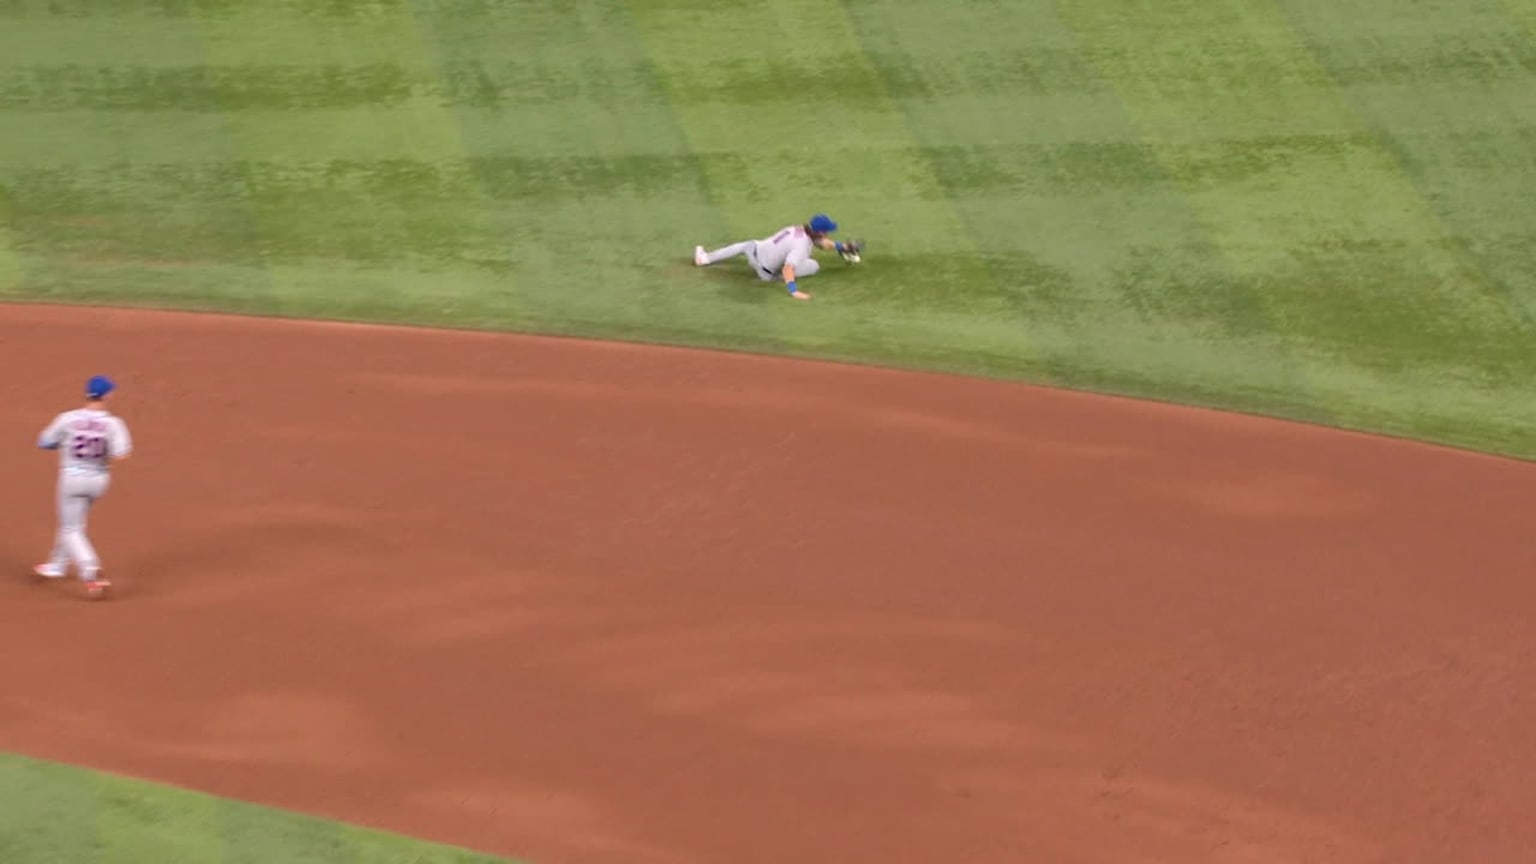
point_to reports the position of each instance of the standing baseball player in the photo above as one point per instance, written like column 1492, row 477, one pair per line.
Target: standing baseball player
column 89, row 440
column 787, row 254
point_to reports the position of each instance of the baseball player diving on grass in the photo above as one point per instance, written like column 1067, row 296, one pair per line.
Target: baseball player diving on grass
column 787, row 255
column 89, row 439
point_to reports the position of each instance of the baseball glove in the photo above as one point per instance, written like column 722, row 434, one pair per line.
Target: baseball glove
column 853, row 251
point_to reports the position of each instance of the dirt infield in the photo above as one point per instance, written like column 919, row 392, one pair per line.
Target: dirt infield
column 591, row 603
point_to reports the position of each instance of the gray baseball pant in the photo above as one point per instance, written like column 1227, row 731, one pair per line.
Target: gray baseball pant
column 76, row 496
column 749, row 249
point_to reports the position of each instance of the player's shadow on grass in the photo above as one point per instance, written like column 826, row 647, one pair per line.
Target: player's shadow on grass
column 729, row 281
column 741, row 287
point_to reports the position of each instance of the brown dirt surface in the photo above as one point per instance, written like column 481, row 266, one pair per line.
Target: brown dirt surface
column 592, row 603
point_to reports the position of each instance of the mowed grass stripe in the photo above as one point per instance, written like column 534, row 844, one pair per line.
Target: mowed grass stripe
column 375, row 212
column 543, row 127
column 579, row 216
column 107, row 37
column 104, row 137
column 431, row 128
column 1035, row 211
column 211, row 88
column 1464, row 136
column 739, row 78
column 603, row 224
column 1105, row 257
column 1043, row 216
column 1354, row 269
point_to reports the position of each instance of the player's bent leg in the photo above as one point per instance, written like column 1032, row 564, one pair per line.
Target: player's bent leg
column 59, row 557
column 73, row 512
column 763, row 273
column 810, row 268
column 725, row 253
column 78, row 547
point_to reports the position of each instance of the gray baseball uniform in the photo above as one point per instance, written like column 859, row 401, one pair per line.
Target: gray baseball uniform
column 791, row 245
column 88, row 439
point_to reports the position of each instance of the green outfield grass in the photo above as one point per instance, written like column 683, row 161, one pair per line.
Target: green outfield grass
column 1311, row 208
column 1320, row 209
column 62, row 815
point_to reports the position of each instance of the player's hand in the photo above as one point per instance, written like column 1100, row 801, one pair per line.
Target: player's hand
column 800, row 295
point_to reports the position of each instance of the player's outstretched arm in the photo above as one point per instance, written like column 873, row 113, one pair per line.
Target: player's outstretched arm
column 52, row 437
column 789, row 282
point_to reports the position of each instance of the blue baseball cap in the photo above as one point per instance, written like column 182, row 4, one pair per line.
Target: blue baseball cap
column 99, row 386
column 821, row 223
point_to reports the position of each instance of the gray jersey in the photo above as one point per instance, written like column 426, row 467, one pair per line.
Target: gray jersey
column 88, row 439
column 790, row 246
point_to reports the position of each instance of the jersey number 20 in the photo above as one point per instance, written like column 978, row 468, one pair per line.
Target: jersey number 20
column 93, row 447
